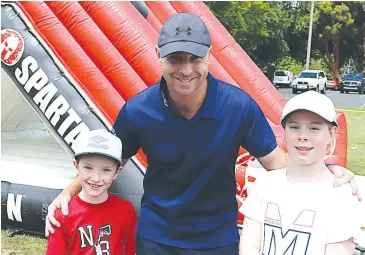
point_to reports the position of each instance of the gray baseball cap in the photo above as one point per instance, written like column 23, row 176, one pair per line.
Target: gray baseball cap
column 184, row 32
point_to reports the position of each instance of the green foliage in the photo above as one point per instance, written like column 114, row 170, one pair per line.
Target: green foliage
column 332, row 18
column 258, row 27
column 320, row 64
column 288, row 63
column 270, row 32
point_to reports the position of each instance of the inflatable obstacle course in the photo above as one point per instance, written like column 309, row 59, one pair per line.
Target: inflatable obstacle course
column 76, row 63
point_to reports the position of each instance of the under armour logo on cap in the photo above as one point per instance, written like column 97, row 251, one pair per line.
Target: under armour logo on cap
column 183, row 31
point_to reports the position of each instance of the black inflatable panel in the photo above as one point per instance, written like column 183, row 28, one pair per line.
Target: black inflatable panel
column 24, row 207
column 48, row 91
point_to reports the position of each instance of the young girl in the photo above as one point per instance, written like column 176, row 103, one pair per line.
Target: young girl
column 297, row 210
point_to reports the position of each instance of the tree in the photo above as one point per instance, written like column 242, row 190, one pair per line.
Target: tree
column 258, row 27
column 275, row 34
column 333, row 19
column 353, row 38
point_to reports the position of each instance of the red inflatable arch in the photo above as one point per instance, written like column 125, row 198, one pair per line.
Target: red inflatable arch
column 108, row 48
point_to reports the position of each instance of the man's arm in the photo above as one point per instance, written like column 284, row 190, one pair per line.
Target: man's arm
column 342, row 248
column 277, row 159
column 250, row 241
column 61, row 201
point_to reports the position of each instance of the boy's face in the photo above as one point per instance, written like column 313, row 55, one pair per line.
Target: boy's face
column 96, row 173
column 184, row 72
column 307, row 137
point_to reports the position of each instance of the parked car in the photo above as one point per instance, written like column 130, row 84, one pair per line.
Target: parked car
column 332, row 83
column 283, row 78
column 310, row 80
column 353, row 82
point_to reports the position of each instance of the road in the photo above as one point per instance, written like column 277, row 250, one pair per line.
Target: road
column 351, row 100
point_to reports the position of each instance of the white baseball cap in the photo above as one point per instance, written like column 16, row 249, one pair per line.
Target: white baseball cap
column 311, row 101
column 100, row 142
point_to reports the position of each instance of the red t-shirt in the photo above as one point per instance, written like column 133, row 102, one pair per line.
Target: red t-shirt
column 106, row 228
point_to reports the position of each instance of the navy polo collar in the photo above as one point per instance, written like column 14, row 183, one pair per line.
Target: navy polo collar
column 210, row 105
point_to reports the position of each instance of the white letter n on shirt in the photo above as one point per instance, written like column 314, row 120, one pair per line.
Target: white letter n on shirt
column 88, row 236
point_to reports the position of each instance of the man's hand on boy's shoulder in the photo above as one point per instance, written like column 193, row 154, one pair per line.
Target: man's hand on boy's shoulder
column 61, row 201
column 343, row 176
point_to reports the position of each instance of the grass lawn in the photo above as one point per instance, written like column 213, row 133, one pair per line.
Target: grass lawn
column 22, row 244
column 356, row 162
column 356, row 140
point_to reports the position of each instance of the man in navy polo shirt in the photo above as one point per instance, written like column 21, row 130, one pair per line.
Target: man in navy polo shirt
column 190, row 125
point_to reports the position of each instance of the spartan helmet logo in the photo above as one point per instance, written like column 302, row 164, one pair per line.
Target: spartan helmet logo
column 183, row 31
column 12, row 46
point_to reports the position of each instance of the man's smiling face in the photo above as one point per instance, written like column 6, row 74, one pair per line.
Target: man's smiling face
column 184, row 72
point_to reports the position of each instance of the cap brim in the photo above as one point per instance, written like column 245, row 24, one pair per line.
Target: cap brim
column 305, row 109
column 98, row 153
column 189, row 47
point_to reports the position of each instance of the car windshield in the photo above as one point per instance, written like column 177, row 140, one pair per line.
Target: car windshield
column 280, row 73
column 307, row 75
column 353, row 77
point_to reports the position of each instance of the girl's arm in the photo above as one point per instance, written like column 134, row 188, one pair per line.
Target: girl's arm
column 341, row 248
column 250, row 242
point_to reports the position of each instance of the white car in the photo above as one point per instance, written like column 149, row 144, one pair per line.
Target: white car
column 283, row 78
column 310, row 80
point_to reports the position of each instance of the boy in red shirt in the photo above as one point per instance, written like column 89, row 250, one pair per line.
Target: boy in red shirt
column 98, row 223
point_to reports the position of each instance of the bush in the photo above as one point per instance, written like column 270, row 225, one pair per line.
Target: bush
column 295, row 66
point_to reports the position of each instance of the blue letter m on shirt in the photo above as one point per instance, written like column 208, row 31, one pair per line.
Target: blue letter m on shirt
column 278, row 243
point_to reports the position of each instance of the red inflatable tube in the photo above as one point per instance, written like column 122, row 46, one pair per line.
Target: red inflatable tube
column 144, row 27
column 78, row 64
column 147, row 14
column 339, row 155
column 155, row 23
column 237, row 63
column 100, row 50
column 161, row 9
column 134, row 38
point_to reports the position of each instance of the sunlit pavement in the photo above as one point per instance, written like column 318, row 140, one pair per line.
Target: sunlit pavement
column 351, row 100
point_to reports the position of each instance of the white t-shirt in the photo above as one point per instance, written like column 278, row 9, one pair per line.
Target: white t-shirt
column 301, row 219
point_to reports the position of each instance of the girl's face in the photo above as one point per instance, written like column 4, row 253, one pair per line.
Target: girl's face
column 307, row 137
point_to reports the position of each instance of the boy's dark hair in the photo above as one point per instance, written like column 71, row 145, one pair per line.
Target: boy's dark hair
column 78, row 158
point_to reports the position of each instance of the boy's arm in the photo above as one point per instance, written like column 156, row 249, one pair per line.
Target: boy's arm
column 342, row 248
column 57, row 243
column 250, row 242
column 130, row 239
column 61, row 201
